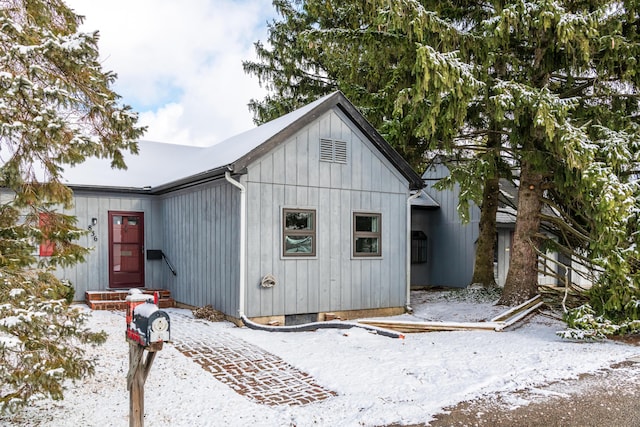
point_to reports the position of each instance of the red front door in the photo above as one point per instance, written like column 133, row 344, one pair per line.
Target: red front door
column 126, row 249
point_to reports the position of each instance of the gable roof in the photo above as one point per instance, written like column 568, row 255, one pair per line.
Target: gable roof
column 423, row 200
column 164, row 167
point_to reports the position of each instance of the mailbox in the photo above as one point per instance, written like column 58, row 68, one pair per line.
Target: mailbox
column 146, row 324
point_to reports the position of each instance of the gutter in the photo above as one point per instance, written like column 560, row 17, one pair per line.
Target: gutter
column 190, row 181
column 408, row 254
column 105, row 189
column 179, row 184
column 243, row 233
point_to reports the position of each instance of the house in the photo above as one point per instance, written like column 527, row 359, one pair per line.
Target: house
column 451, row 265
column 305, row 215
column 451, row 243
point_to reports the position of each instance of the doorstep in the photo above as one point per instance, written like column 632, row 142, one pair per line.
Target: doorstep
column 116, row 299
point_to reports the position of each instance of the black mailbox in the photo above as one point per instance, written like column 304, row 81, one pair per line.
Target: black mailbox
column 154, row 254
column 149, row 325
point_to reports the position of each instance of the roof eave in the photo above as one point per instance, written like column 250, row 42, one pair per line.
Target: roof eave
column 244, row 161
column 110, row 189
column 186, row 182
column 192, row 180
column 415, row 181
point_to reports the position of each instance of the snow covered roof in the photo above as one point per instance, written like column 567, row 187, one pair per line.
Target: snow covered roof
column 161, row 167
column 159, row 164
column 506, row 216
column 156, row 163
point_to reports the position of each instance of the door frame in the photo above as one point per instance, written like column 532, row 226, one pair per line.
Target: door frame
column 141, row 263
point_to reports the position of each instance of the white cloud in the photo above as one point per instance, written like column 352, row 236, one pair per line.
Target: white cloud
column 179, row 64
column 164, row 124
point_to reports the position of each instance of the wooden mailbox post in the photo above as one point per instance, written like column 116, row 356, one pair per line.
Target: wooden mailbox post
column 147, row 330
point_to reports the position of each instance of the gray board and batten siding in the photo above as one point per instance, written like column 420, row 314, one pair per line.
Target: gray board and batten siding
column 451, row 260
column 293, row 176
column 201, row 243
column 450, row 263
column 192, row 214
column 93, row 274
column 201, row 238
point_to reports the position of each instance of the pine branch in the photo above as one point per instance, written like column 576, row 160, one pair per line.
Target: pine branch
column 578, row 89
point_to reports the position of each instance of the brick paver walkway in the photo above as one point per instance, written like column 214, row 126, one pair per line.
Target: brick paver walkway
column 249, row 370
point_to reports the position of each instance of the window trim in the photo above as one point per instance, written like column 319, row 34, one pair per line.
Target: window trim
column 313, row 233
column 355, row 235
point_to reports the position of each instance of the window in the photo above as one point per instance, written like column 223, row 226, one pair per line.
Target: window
column 299, row 233
column 46, row 247
column 367, row 235
column 418, row 247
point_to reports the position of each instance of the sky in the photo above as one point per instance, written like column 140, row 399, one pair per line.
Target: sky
column 179, row 64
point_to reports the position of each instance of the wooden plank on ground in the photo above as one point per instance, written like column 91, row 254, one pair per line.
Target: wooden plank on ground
column 520, row 315
column 498, row 323
column 409, row 327
column 517, row 309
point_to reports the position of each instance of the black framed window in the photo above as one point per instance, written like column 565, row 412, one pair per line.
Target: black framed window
column 418, row 247
column 299, row 233
column 367, row 234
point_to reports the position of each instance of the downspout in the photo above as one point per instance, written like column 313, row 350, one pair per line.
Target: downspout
column 408, row 257
column 243, row 233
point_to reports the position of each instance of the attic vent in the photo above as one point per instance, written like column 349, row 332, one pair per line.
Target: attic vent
column 333, row 151
column 326, row 150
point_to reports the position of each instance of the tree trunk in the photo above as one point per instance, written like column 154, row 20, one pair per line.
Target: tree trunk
column 483, row 267
column 522, row 279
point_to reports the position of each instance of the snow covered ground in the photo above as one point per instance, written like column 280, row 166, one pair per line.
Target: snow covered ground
column 378, row 380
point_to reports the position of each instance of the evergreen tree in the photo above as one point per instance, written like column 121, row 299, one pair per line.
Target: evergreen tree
column 320, row 46
column 535, row 88
column 56, row 109
column 556, row 71
column 560, row 98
